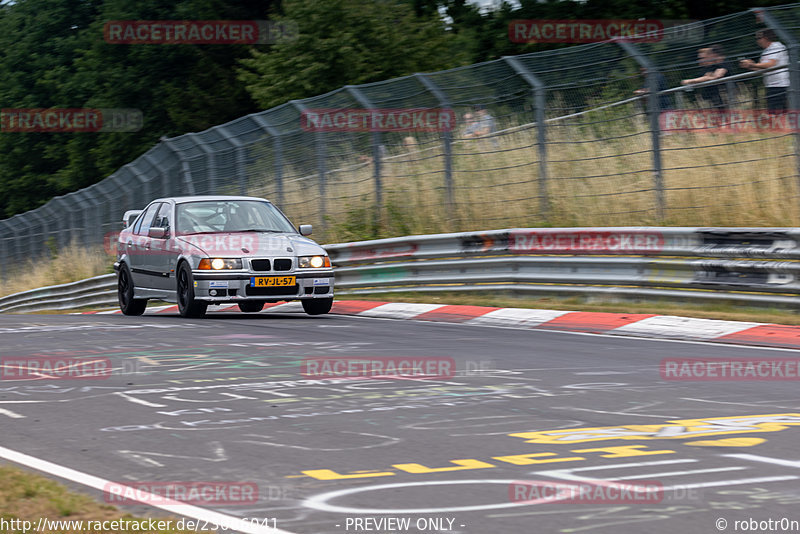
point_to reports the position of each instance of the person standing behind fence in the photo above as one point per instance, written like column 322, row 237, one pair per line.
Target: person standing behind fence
column 712, row 67
column 665, row 101
column 774, row 55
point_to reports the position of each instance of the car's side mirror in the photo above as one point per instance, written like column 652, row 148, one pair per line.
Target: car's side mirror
column 157, row 232
column 305, row 229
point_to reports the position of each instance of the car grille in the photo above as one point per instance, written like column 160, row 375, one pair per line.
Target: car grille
column 321, row 290
column 270, row 291
column 260, row 265
column 283, row 265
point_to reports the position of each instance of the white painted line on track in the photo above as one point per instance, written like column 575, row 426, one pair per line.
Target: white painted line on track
column 765, row 459
column 12, row 415
column 100, row 484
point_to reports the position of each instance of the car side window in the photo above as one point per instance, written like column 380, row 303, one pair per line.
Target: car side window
column 162, row 219
column 146, row 220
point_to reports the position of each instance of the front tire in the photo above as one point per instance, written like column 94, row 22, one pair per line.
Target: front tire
column 188, row 306
column 251, row 306
column 128, row 304
column 317, row 306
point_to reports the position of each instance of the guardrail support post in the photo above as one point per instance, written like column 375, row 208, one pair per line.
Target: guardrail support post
column 376, row 153
column 319, row 143
column 539, row 102
column 447, row 140
column 788, row 39
column 653, row 111
column 187, row 170
column 277, row 148
column 241, row 159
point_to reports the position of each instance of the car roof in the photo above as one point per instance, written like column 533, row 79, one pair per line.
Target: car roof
column 199, row 198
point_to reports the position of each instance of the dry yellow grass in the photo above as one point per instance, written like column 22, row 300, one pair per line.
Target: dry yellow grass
column 68, row 265
column 599, row 174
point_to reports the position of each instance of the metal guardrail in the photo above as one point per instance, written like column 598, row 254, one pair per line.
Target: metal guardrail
column 96, row 291
column 757, row 266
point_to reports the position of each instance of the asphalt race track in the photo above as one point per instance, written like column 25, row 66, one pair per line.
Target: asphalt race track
column 226, row 399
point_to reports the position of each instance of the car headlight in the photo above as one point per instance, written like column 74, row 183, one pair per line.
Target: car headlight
column 218, row 264
column 313, row 262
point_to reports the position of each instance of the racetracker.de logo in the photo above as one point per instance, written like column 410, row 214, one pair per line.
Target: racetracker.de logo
column 196, row 493
column 733, row 121
column 70, row 120
column 378, row 120
column 198, row 32
column 54, row 368
column 730, row 369
column 371, row 367
column 589, row 492
column 584, row 31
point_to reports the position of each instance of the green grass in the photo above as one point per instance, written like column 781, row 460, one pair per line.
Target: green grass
column 29, row 497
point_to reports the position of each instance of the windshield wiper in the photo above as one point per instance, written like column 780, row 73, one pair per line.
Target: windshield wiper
column 261, row 230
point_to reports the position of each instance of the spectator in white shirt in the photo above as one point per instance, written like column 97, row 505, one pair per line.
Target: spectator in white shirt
column 774, row 55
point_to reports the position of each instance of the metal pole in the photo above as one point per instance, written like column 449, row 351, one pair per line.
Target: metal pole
column 447, row 140
column 787, row 38
column 187, row 170
column 539, row 99
column 319, row 143
column 653, row 111
column 211, row 163
column 241, row 166
column 277, row 147
column 362, row 99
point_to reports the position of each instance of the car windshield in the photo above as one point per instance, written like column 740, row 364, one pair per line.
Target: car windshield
column 213, row 216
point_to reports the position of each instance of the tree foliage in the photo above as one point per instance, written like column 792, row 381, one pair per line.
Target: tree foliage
column 344, row 42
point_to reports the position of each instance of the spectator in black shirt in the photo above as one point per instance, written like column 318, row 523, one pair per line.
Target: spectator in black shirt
column 712, row 67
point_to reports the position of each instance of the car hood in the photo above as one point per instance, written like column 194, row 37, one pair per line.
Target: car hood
column 251, row 244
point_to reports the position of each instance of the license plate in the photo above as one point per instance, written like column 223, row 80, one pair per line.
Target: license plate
column 272, row 281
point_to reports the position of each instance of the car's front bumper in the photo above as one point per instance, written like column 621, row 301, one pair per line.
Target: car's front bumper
column 234, row 287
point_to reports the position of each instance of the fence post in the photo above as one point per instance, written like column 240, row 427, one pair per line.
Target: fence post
column 37, row 251
column 154, row 164
column 448, row 142
column 362, row 99
column 277, row 147
column 241, row 172
column 653, row 111
column 319, row 143
column 540, row 102
column 5, row 258
column 187, row 170
column 211, row 163
column 788, row 39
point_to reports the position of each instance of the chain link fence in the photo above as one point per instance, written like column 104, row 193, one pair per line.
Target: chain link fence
column 571, row 144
